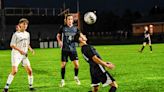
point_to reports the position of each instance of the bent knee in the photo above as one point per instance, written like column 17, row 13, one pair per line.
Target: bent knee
column 76, row 66
column 96, row 89
column 14, row 72
column 114, row 84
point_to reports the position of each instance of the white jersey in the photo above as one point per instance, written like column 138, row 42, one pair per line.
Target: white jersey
column 21, row 40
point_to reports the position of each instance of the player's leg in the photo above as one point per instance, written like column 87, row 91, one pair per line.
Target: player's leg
column 76, row 70
column 95, row 88
column 74, row 59
column 26, row 64
column 143, row 46
column 150, row 47
column 63, row 65
column 15, row 60
column 107, row 79
column 10, row 78
column 64, row 58
column 114, row 86
column 95, row 82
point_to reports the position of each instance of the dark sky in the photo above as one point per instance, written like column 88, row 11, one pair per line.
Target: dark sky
column 118, row 6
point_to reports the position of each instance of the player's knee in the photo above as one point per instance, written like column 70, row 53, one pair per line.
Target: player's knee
column 63, row 64
column 30, row 72
column 114, row 84
column 76, row 66
column 14, row 72
column 96, row 89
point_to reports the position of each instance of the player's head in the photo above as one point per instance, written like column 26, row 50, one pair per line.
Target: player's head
column 82, row 39
column 23, row 24
column 146, row 28
column 69, row 20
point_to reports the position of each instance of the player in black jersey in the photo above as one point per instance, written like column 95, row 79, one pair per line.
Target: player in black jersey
column 65, row 38
column 97, row 70
column 147, row 39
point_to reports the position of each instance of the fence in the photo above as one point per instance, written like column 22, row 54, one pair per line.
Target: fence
column 31, row 11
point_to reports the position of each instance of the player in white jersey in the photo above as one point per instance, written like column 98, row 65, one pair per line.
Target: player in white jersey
column 20, row 43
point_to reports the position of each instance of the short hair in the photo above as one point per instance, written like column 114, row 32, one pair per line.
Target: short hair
column 68, row 16
column 23, row 20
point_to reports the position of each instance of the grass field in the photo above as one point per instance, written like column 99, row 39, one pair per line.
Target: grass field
column 134, row 71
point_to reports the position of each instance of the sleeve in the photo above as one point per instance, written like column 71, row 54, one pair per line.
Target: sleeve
column 13, row 40
column 90, row 52
column 29, row 38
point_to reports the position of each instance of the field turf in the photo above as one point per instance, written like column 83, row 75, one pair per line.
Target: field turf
column 134, row 71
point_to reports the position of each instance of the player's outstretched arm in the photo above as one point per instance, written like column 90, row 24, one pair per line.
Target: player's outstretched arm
column 101, row 62
column 59, row 40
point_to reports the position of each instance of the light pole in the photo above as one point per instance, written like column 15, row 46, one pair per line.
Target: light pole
column 78, row 7
column 3, row 26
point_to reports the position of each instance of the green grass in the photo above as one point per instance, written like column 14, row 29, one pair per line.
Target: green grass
column 134, row 71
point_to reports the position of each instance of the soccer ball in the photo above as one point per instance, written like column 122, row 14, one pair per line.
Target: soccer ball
column 90, row 18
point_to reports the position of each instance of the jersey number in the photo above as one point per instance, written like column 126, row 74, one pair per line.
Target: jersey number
column 70, row 38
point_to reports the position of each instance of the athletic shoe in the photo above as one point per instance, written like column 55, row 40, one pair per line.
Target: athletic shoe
column 62, row 83
column 32, row 89
column 5, row 90
column 77, row 80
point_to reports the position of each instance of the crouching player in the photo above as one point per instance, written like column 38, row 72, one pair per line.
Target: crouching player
column 97, row 70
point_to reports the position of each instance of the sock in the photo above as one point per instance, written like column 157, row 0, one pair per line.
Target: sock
column 150, row 48
column 30, row 80
column 76, row 71
column 62, row 72
column 9, row 80
column 112, row 89
column 142, row 48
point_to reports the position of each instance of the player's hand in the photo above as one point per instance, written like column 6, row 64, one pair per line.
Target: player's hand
column 110, row 65
column 33, row 52
column 22, row 52
column 60, row 44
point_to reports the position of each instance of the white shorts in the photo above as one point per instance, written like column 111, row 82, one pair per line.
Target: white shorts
column 17, row 58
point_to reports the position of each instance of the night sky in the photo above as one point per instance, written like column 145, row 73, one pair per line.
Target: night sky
column 118, row 6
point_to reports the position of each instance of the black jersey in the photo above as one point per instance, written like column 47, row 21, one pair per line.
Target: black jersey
column 88, row 52
column 147, row 36
column 68, row 37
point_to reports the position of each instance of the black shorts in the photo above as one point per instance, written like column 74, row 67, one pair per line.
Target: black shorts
column 146, row 40
column 100, row 77
column 72, row 55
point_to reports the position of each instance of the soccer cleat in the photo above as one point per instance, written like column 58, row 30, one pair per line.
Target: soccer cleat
column 5, row 90
column 62, row 83
column 77, row 80
column 151, row 52
column 32, row 89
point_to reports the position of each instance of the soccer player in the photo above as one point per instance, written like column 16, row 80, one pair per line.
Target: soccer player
column 65, row 38
column 97, row 70
column 20, row 43
column 147, row 39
